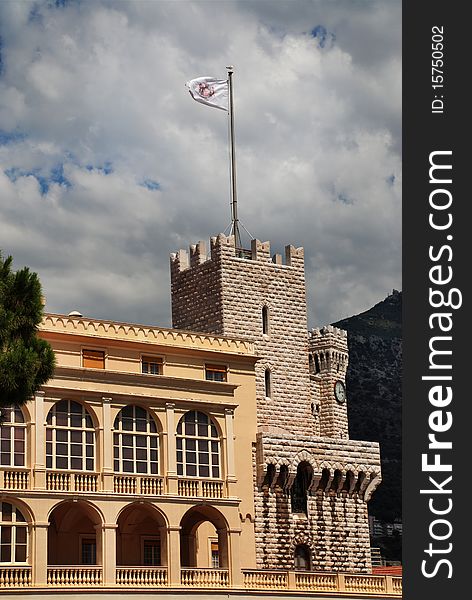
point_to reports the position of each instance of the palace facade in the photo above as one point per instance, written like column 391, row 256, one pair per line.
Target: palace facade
column 212, row 455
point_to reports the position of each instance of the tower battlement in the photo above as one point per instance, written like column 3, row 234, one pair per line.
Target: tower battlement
column 222, row 247
column 328, row 337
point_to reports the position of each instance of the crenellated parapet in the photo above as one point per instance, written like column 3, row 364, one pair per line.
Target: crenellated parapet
column 222, row 247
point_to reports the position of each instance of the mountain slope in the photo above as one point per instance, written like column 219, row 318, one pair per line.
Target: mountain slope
column 374, row 394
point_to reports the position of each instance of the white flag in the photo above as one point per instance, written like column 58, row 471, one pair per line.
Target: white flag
column 209, row 91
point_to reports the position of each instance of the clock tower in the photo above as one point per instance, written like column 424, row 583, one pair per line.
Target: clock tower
column 328, row 353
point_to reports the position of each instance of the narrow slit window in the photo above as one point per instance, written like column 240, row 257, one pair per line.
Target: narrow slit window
column 268, row 383
column 265, row 320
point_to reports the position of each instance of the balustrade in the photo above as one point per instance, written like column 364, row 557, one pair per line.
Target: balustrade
column 198, row 488
column 59, row 481
column 74, row 576
column 316, row 582
column 15, row 480
column 365, row 583
column 264, row 580
column 15, row 577
column 204, row 578
column 142, row 576
column 135, row 484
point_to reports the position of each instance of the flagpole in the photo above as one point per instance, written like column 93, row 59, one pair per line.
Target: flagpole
column 234, row 198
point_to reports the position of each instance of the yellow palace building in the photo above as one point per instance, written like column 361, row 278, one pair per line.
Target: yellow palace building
column 170, row 460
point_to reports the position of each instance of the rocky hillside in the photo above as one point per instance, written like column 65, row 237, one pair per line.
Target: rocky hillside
column 374, row 394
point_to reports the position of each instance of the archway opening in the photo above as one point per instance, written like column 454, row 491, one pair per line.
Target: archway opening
column 302, row 558
column 300, row 487
column 204, row 539
column 141, row 538
column 74, row 535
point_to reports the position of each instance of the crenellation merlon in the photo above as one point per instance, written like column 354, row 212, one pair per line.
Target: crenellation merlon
column 222, row 246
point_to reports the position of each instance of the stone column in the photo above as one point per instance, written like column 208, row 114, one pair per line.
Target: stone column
column 39, row 469
column 230, row 463
column 39, row 552
column 107, row 447
column 171, row 451
column 107, row 532
column 234, row 562
column 173, row 538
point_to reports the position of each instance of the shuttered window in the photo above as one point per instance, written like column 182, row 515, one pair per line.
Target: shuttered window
column 93, row 359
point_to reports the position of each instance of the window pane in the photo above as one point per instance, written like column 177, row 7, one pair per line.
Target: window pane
column 61, row 462
column 191, row 470
column 19, row 460
column 20, row 553
column 191, row 445
column 5, row 553
column 204, row 471
column 62, row 435
column 76, row 464
column 75, row 436
column 21, row 535
column 7, row 510
column 203, row 459
column 5, row 535
column 76, row 421
column 141, row 425
column 141, row 441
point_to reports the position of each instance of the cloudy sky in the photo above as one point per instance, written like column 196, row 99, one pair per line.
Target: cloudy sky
column 107, row 165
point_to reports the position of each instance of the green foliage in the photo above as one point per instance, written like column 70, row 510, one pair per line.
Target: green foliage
column 26, row 361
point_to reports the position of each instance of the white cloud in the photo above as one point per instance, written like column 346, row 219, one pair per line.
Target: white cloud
column 93, row 106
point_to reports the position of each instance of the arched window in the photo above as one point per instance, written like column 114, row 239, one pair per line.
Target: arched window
column 13, row 535
column 135, row 442
column 268, row 383
column 302, row 557
column 12, row 437
column 265, row 320
column 70, row 437
column 299, row 491
column 198, row 446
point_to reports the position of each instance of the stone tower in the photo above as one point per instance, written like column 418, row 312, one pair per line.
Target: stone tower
column 311, row 484
column 328, row 365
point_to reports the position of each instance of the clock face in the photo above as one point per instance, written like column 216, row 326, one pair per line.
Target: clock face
column 340, row 391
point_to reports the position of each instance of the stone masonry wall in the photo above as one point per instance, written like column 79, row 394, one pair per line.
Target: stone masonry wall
column 336, row 528
column 329, row 359
column 299, row 421
column 226, row 294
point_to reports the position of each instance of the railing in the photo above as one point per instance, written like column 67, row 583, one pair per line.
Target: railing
column 307, row 581
column 265, row 580
column 317, row 582
column 371, row 584
column 59, row 481
column 142, row 576
column 73, row 576
column 14, row 480
column 254, row 579
column 200, row 488
column 131, row 484
column 204, row 578
column 15, row 577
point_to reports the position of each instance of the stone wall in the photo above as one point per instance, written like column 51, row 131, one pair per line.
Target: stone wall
column 226, row 294
column 328, row 363
column 335, row 528
column 299, row 420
